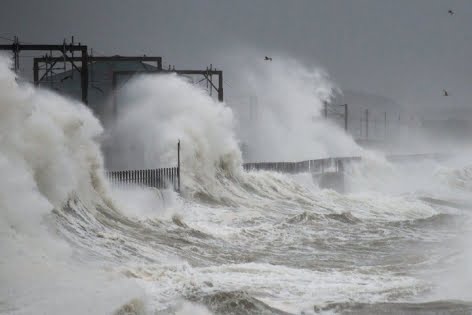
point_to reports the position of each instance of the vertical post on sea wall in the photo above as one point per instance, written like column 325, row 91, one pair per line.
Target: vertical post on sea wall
column 178, row 166
column 35, row 72
column 220, row 86
column 346, row 113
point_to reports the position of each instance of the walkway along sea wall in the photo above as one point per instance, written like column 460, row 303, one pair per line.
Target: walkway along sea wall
column 318, row 166
column 336, row 164
column 329, row 172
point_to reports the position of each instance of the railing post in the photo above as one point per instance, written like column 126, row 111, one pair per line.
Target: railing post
column 178, row 166
column 346, row 118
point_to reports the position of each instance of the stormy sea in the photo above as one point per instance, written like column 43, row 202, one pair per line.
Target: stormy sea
column 232, row 241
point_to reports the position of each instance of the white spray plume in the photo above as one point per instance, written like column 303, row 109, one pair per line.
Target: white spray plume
column 155, row 111
column 48, row 150
column 48, row 154
column 287, row 122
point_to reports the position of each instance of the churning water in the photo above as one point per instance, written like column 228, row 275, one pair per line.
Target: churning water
column 233, row 242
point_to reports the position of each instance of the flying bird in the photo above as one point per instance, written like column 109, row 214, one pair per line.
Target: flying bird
column 65, row 78
column 451, row 12
column 268, row 58
column 445, row 93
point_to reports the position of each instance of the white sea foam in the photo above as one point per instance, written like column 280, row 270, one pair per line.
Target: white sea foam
column 48, row 154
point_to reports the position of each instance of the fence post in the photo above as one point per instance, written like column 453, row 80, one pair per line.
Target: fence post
column 346, row 118
column 178, row 166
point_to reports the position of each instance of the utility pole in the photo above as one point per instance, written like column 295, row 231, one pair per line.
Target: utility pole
column 345, row 117
column 220, row 85
column 16, row 54
column 360, row 126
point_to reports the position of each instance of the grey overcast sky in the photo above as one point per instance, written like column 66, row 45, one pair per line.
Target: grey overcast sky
column 409, row 50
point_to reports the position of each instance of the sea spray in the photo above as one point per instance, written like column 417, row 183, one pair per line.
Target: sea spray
column 48, row 156
column 286, row 120
column 155, row 112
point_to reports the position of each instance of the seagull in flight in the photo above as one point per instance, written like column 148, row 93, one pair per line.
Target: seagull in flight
column 268, row 58
column 450, row 12
column 65, row 78
column 445, row 93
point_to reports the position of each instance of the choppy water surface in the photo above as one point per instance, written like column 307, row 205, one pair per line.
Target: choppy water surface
column 290, row 247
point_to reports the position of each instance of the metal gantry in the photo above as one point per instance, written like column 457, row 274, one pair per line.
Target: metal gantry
column 67, row 51
column 45, row 67
column 207, row 75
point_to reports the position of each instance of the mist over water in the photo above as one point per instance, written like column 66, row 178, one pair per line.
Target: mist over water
column 284, row 121
column 233, row 242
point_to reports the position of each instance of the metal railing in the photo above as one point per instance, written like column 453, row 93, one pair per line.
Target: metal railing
column 311, row 166
column 160, row 178
column 321, row 166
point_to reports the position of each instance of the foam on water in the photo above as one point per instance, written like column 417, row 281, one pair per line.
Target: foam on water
column 288, row 289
